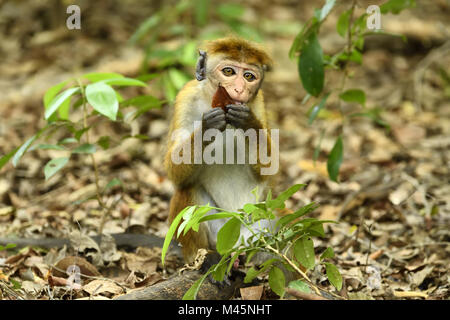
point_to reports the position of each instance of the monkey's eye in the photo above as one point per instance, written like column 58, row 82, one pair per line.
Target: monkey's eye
column 249, row 76
column 228, row 71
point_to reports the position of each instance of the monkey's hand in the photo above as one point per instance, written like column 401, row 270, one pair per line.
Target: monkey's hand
column 241, row 117
column 214, row 118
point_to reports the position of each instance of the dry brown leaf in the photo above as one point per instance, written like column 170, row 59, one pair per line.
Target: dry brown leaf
column 252, row 293
column 142, row 264
column 409, row 134
column 85, row 267
column 401, row 193
column 104, row 287
column 418, row 277
column 329, row 212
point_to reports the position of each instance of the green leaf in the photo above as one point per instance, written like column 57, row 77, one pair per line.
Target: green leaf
column 47, row 147
column 169, row 89
column 218, row 272
column 326, row 9
column 354, row 95
column 23, row 148
column 8, row 246
column 187, row 216
column 304, row 252
column 191, row 294
column 252, row 273
column 278, row 202
column 53, row 166
column 316, row 229
column 68, row 140
column 147, row 77
column 196, row 216
column 335, row 159
column 343, row 23
column 100, row 76
column 63, row 110
column 171, row 232
column 250, row 208
column 328, row 253
column 396, row 6
column 144, row 103
column 127, row 82
column 114, row 182
column 220, row 215
column 311, row 67
column 297, row 214
column 79, row 133
column 103, row 99
column 145, row 27
column 103, row 142
column 52, row 92
column 228, row 235
column 298, row 42
column 179, row 79
column 314, row 111
column 374, row 115
column 299, row 286
column 58, row 101
column 333, row 275
column 4, row 160
column 277, row 281
column 85, row 148
column 16, row 284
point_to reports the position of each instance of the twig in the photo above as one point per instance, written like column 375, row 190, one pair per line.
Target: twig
column 304, row 295
column 10, row 291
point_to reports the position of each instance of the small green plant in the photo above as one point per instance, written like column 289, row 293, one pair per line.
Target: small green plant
column 76, row 110
column 312, row 64
column 7, row 247
column 290, row 234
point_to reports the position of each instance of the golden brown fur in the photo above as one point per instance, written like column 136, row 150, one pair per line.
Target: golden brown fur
column 191, row 101
column 239, row 50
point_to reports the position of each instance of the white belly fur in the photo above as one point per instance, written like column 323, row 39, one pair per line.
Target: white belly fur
column 229, row 187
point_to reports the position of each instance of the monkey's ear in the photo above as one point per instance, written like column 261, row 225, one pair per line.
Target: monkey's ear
column 200, row 70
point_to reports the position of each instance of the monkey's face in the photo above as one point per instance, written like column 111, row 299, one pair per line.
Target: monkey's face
column 241, row 80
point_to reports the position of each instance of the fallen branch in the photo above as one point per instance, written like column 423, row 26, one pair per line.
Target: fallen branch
column 175, row 287
column 129, row 240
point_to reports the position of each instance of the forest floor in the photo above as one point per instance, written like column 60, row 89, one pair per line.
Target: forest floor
column 392, row 202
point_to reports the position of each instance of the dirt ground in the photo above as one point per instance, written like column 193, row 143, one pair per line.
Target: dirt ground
column 392, row 202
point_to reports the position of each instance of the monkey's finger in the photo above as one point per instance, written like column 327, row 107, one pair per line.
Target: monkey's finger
column 238, row 114
column 213, row 112
column 235, row 121
column 236, row 107
column 220, row 117
column 231, row 117
column 220, row 125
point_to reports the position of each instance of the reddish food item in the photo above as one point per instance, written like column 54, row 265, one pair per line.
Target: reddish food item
column 221, row 98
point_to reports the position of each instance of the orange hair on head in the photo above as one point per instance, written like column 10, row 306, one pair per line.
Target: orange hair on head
column 239, row 49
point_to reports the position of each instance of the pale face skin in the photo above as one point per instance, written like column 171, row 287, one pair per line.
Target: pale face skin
column 241, row 80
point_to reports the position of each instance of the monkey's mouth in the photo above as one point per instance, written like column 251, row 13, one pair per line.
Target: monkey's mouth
column 221, row 98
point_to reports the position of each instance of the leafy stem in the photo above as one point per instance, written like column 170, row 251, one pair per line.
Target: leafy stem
column 105, row 210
